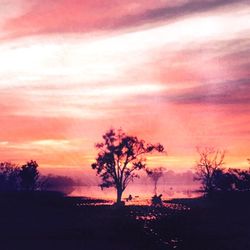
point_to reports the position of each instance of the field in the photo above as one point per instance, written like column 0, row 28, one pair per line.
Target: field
column 52, row 221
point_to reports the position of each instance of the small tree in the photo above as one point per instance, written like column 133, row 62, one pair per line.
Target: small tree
column 210, row 161
column 9, row 177
column 120, row 157
column 29, row 176
column 155, row 175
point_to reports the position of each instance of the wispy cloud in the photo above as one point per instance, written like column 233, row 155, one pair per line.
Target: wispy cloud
column 227, row 93
column 177, row 73
column 67, row 16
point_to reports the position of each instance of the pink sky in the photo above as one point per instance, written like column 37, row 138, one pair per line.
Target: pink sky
column 171, row 73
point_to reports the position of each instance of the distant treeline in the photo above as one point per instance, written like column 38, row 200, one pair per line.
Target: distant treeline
column 231, row 180
column 214, row 178
column 14, row 178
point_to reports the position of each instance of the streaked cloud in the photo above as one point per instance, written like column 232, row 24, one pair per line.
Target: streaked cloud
column 93, row 15
column 175, row 73
column 227, row 93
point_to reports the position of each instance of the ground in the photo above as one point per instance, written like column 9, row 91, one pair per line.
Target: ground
column 51, row 221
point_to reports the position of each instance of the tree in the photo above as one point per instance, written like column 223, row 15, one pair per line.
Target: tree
column 119, row 159
column 155, row 174
column 241, row 179
column 9, row 177
column 210, row 161
column 223, row 180
column 29, row 176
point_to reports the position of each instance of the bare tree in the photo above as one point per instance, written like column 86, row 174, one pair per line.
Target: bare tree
column 155, row 175
column 119, row 158
column 210, row 161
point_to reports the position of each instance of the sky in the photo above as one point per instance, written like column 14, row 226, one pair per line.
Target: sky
column 174, row 72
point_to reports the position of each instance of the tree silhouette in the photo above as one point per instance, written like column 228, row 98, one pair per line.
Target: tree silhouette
column 119, row 158
column 210, row 161
column 29, row 176
column 155, row 175
column 223, row 180
column 9, row 176
column 241, row 179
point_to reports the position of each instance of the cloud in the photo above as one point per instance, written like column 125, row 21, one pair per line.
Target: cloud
column 175, row 12
column 72, row 15
column 75, row 16
column 60, row 82
column 222, row 93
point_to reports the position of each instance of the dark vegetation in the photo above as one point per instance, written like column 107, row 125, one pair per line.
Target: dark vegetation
column 119, row 159
column 216, row 179
column 27, row 178
column 221, row 222
column 15, row 178
column 42, row 220
column 34, row 215
column 49, row 220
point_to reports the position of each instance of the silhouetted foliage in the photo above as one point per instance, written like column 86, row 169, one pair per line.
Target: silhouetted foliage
column 210, row 162
column 9, row 177
column 223, row 181
column 57, row 183
column 155, row 175
column 157, row 200
column 119, row 159
column 29, row 176
column 240, row 179
column 215, row 179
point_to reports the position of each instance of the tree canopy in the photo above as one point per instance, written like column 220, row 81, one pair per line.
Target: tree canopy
column 29, row 176
column 207, row 167
column 119, row 159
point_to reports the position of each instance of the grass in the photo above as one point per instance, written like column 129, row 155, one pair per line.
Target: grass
column 51, row 221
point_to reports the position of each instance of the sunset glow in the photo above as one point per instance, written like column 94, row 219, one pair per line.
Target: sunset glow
column 177, row 74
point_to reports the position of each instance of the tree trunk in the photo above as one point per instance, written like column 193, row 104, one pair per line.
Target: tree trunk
column 155, row 188
column 119, row 196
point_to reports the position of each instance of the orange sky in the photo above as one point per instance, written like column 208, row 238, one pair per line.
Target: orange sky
column 171, row 73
